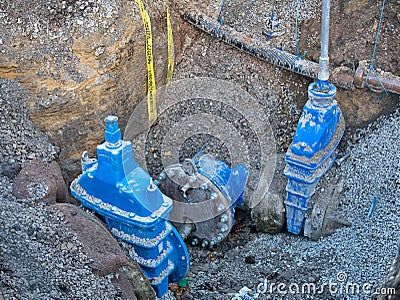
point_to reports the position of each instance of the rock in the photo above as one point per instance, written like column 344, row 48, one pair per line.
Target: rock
column 269, row 214
column 62, row 192
column 339, row 60
column 10, row 170
column 107, row 255
column 143, row 289
column 122, row 281
column 98, row 242
column 311, row 279
column 323, row 219
column 250, row 260
column 40, row 182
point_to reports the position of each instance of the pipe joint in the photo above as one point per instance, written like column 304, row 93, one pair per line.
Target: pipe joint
column 323, row 71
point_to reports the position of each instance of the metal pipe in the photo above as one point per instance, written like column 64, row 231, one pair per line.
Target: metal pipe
column 289, row 61
column 323, row 72
column 258, row 49
column 386, row 81
column 390, row 83
column 186, row 229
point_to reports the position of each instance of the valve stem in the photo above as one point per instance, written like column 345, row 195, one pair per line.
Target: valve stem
column 323, row 71
column 152, row 187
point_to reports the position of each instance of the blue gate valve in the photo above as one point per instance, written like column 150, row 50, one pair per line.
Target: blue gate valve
column 318, row 134
column 206, row 192
column 133, row 207
column 312, row 152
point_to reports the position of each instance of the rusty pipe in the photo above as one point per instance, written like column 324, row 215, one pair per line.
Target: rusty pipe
column 342, row 77
column 389, row 81
column 253, row 47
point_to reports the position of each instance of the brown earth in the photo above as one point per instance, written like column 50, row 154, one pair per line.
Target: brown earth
column 78, row 71
column 80, row 65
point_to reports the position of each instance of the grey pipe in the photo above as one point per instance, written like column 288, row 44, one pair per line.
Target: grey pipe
column 323, row 72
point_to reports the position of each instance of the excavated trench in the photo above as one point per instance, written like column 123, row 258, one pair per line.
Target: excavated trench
column 103, row 72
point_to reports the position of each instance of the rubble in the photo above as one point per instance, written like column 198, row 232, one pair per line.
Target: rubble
column 392, row 280
column 363, row 251
column 41, row 256
column 78, row 62
column 42, row 174
column 34, row 264
column 107, row 259
column 269, row 214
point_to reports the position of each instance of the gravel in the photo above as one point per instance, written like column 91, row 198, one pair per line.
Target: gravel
column 21, row 140
column 360, row 254
column 364, row 251
column 52, row 19
column 50, row 30
column 355, row 256
column 252, row 18
column 278, row 92
column 39, row 258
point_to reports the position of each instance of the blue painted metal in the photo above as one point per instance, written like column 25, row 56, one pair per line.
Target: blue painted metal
column 318, row 134
column 206, row 191
column 312, row 152
column 372, row 208
column 274, row 22
column 133, row 207
column 231, row 182
column 317, row 124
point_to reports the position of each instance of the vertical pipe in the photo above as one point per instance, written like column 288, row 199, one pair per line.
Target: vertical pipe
column 323, row 72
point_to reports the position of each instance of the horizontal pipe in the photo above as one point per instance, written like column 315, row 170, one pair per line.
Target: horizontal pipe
column 362, row 79
column 258, row 49
column 290, row 62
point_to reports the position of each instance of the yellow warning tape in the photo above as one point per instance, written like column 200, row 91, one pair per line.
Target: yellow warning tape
column 170, row 70
column 151, row 80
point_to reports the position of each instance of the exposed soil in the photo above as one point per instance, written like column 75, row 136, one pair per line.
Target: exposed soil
column 363, row 252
